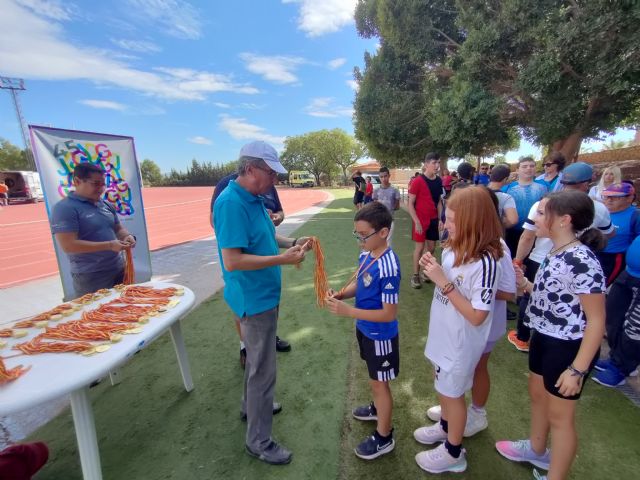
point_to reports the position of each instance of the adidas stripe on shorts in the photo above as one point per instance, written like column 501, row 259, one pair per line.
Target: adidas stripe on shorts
column 382, row 356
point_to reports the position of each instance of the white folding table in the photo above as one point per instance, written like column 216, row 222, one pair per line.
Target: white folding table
column 54, row 375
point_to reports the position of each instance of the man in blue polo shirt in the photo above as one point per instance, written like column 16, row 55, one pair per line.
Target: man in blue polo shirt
column 250, row 260
column 88, row 230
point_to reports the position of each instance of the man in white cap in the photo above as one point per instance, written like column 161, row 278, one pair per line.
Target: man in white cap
column 250, row 259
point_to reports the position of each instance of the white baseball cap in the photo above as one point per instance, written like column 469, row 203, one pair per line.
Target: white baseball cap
column 266, row 152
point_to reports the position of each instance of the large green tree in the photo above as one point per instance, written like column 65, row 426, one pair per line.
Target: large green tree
column 151, row 174
column 322, row 152
column 557, row 71
column 12, row 157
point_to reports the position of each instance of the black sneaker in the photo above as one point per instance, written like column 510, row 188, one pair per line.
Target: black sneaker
column 277, row 408
column 274, row 454
column 282, row 345
column 374, row 446
column 243, row 357
column 366, row 412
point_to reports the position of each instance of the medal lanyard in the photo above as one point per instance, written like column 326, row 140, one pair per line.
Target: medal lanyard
column 361, row 271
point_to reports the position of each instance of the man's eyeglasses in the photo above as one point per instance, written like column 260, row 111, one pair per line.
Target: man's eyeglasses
column 269, row 171
column 96, row 184
column 362, row 239
column 550, row 164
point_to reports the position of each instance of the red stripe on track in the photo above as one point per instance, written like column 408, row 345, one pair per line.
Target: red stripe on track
column 174, row 215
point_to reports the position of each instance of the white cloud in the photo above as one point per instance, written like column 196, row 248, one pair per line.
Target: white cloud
column 277, row 69
column 104, row 104
column 35, row 48
column 320, row 17
column 222, row 105
column 200, row 140
column 53, row 9
column 326, row 107
column 139, row 46
column 336, row 63
column 353, row 85
column 175, row 17
column 240, row 129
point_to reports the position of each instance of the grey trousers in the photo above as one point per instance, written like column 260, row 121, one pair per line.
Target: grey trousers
column 90, row 282
column 259, row 336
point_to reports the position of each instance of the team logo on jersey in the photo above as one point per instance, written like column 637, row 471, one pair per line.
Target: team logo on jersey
column 367, row 279
column 458, row 281
column 388, row 286
column 486, row 295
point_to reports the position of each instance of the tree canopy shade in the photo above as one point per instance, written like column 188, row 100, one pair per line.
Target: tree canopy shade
column 151, row 174
column 465, row 76
column 322, row 152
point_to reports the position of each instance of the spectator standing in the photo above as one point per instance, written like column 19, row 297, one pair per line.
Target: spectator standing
column 525, row 191
column 609, row 176
column 447, row 182
column 360, row 187
column 482, row 178
column 506, row 204
column 465, row 176
column 368, row 191
column 552, row 176
column 577, row 176
column 567, row 314
column 618, row 198
column 623, row 324
column 425, row 208
column 4, row 193
column 389, row 196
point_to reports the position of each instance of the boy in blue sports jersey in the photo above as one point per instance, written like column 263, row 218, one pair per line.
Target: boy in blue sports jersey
column 375, row 286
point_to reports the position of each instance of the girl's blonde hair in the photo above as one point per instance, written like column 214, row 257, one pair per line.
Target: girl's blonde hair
column 478, row 228
column 617, row 177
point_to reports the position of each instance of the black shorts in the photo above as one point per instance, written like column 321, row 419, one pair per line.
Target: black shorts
column 358, row 197
column 433, row 233
column 549, row 357
column 382, row 356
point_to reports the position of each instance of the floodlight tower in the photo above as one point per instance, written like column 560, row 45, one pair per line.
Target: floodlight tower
column 13, row 85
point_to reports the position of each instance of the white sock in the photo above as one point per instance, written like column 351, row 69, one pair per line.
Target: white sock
column 479, row 409
column 241, row 344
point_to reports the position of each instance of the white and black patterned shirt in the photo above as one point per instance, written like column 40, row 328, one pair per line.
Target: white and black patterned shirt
column 554, row 308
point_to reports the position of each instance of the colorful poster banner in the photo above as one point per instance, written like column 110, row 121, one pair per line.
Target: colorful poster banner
column 58, row 151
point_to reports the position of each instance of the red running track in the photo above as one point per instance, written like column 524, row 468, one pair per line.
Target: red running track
column 174, row 215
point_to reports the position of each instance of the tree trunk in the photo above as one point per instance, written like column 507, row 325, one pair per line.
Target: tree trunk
column 569, row 146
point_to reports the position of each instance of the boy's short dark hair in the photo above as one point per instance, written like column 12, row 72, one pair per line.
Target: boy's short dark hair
column 383, row 170
column 431, row 156
column 522, row 160
column 84, row 171
column 499, row 173
column 376, row 215
column 465, row 170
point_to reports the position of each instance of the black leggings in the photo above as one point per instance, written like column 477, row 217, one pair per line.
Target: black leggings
column 523, row 331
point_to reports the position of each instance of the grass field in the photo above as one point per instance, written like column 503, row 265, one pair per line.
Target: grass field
column 150, row 428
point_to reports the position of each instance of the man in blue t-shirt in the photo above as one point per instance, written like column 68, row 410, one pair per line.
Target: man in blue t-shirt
column 274, row 208
column 249, row 253
column 88, row 230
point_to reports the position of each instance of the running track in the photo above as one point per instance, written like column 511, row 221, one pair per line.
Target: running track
column 174, row 215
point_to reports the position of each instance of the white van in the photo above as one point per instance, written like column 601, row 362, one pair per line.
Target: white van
column 23, row 186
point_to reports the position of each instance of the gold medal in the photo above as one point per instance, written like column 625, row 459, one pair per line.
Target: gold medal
column 102, row 348
column 88, row 352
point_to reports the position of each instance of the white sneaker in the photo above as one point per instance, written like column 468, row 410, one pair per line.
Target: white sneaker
column 476, row 421
column 438, row 460
column 430, row 435
column 434, row 413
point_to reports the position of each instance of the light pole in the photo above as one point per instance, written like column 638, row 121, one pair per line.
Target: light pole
column 13, row 85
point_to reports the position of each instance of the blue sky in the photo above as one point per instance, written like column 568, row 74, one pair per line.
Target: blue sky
column 186, row 79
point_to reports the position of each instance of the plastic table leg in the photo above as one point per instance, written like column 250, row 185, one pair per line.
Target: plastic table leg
column 181, row 353
column 86, row 434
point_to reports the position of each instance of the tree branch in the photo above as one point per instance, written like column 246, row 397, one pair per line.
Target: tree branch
column 452, row 42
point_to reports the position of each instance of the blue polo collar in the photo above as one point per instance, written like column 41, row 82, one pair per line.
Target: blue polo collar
column 244, row 194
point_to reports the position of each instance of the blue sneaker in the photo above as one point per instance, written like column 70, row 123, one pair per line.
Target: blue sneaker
column 538, row 476
column 374, row 446
column 521, row 451
column 603, row 364
column 612, row 377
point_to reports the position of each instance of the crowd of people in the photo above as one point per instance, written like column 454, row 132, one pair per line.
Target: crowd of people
column 564, row 253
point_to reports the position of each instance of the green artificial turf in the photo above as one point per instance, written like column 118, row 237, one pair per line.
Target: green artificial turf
column 150, row 428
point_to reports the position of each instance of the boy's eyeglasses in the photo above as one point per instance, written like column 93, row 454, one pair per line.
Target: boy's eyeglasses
column 96, row 184
column 549, row 164
column 362, row 239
